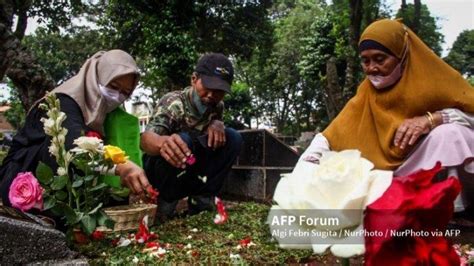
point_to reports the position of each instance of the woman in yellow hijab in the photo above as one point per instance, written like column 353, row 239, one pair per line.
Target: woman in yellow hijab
column 411, row 110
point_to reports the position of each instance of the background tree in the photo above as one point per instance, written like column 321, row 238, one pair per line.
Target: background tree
column 461, row 55
column 28, row 77
column 424, row 24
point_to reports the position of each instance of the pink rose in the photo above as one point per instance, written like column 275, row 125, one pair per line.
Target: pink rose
column 191, row 159
column 25, row 192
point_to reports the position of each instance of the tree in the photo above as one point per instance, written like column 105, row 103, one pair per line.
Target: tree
column 424, row 24
column 171, row 34
column 461, row 55
column 28, row 77
column 62, row 54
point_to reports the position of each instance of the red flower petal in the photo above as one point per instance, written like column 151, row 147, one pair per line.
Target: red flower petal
column 413, row 204
column 93, row 134
column 191, row 160
column 97, row 235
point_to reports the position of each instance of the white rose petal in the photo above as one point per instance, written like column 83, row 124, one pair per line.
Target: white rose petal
column 88, row 143
column 340, row 187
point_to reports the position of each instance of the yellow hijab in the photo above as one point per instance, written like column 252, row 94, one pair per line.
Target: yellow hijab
column 83, row 88
column 370, row 119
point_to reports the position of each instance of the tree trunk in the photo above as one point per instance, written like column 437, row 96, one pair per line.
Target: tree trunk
column 28, row 77
column 416, row 18
column 8, row 42
column 334, row 100
column 354, row 35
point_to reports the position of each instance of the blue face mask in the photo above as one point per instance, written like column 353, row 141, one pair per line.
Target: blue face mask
column 200, row 106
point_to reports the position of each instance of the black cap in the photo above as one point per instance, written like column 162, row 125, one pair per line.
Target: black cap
column 216, row 71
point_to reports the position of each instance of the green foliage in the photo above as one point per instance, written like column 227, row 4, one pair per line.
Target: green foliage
column 62, row 54
column 16, row 114
column 428, row 30
column 238, row 107
column 461, row 56
column 167, row 36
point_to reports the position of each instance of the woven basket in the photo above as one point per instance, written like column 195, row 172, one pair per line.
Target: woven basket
column 128, row 217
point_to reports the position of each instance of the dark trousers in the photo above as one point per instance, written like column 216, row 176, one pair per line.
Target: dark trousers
column 214, row 164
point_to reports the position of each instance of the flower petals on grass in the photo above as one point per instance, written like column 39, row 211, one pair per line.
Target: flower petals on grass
column 221, row 216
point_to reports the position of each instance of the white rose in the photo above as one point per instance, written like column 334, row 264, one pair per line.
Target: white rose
column 340, row 187
column 92, row 144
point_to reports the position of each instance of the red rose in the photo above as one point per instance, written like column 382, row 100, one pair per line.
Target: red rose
column 412, row 215
column 93, row 134
column 97, row 235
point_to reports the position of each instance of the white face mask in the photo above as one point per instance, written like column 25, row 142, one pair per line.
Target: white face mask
column 112, row 97
column 381, row 82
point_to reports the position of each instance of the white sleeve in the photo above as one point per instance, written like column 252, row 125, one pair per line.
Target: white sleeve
column 315, row 150
column 456, row 116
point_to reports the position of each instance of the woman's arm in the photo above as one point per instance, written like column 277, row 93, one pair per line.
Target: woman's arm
column 456, row 116
column 318, row 145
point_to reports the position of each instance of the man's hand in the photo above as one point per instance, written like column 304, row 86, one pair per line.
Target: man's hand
column 216, row 134
column 410, row 130
column 175, row 151
column 132, row 176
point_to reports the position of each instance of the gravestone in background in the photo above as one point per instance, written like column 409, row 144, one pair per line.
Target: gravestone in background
column 256, row 172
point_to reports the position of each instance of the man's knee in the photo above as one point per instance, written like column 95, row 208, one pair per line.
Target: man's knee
column 233, row 138
column 187, row 139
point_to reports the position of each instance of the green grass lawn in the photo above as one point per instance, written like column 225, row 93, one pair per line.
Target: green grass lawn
column 211, row 243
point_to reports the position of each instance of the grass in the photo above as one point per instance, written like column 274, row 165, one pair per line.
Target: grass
column 211, row 244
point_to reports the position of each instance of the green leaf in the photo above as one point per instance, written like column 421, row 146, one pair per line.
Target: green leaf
column 49, row 202
column 44, row 173
column 60, row 195
column 89, row 177
column 120, row 192
column 117, row 198
column 96, row 209
column 104, row 219
column 59, row 182
column 99, row 187
column 88, row 224
column 71, row 215
column 77, row 183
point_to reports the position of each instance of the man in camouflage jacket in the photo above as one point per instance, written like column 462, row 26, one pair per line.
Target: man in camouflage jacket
column 189, row 122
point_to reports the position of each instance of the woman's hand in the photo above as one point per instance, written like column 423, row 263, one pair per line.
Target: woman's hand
column 410, row 130
column 216, row 134
column 132, row 176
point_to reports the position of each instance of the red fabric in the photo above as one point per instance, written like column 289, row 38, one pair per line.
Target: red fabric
column 420, row 205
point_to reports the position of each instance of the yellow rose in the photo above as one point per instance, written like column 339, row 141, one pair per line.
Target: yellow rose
column 115, row 154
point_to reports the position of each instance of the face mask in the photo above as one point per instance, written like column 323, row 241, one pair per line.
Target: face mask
column 113, row 98
column 381, row 82
column 200, row 106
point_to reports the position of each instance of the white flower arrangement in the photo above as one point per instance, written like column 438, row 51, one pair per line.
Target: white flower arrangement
column 342, row 185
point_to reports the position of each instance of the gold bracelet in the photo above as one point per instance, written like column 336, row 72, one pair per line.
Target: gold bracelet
column 430, row 119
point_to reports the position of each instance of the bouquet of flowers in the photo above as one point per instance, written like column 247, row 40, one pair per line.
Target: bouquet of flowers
column 77, row 191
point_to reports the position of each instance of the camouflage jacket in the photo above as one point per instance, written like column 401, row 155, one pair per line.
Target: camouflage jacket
column 176, row 112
